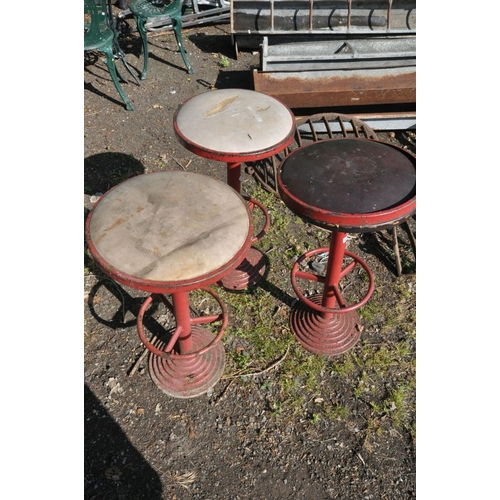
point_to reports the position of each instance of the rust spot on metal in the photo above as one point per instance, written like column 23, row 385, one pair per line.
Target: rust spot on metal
column 220, row 107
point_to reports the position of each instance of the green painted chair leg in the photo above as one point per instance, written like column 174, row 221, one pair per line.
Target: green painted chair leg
column 177, row 25
column 110, row 63
column 141, row 26
column 118, row 74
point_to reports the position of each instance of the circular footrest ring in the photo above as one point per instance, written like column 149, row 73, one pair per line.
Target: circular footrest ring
column 179, row 356
column 342, row 309
column 267, row 224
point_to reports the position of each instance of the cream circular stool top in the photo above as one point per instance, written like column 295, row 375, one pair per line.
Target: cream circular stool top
column 159, row 231
column 234, row 125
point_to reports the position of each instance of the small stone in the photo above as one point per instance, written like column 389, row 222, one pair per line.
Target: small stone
column 95, row 197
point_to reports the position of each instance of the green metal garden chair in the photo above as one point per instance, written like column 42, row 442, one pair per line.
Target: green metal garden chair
column 99, row 36
column 147, row 9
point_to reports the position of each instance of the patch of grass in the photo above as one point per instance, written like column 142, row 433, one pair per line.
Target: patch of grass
column 262, row 331
column 240, row 359
column 364, row 387
column 343, row 366
column 340, row 412
column 293, row 405
column 396, row 406
column 373, row 310
column 266, row 386
column 307, row 368
column 397, row 400
column 373, row 427
column 276, row 410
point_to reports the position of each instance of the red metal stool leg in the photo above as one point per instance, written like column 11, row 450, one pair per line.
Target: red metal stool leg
column 234, row 176
column 192, row 361
column 253, row 267
column 324, row 323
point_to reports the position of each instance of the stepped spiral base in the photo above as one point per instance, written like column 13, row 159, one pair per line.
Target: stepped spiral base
column 187, row 378
column 248, row 273
column 330, row 336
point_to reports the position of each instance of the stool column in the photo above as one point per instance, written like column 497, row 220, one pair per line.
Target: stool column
column 193, row 369
column 234, row 175
column 180, row 301
column 333, row 270
column 253, row 268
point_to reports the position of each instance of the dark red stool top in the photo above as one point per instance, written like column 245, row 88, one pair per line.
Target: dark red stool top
column 350, row 185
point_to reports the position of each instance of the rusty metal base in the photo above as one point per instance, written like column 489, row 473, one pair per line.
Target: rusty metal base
column 188, row 378
column 329, row 336
column 248, row 273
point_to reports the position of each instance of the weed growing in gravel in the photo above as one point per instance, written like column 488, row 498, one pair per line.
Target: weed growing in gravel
column 334, row 412
column 343, row 366
column 224, row 61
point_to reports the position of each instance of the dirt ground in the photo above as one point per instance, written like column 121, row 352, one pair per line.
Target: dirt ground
column 281, row 423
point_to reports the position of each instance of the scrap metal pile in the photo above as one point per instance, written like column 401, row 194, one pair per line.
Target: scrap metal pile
column 318, row 53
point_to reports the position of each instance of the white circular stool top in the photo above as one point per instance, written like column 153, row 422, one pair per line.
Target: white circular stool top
column 169, row 226
column 233, row 121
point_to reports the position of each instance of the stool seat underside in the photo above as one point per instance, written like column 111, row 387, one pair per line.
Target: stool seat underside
column 169, row 226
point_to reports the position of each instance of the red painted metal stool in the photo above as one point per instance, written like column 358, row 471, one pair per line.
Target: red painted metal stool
column 173, row 233
column 234, row 126
column 346, row 186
